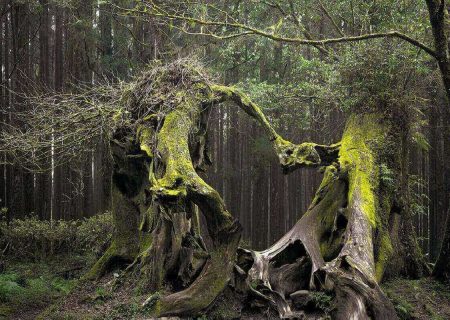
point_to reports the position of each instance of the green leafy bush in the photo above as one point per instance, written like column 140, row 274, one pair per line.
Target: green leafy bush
column 34, row 239
column 94, row 234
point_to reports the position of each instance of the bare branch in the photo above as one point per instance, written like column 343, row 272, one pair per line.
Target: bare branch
column 63, row 127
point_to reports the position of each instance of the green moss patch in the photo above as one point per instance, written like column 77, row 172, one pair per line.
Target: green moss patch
column 357, row 156
column 26, row 289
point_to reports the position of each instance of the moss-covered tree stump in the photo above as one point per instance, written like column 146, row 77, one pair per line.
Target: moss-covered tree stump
column 342, row 246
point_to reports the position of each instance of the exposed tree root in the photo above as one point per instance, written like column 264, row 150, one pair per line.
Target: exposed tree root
column 208, row 285
column 340, row 246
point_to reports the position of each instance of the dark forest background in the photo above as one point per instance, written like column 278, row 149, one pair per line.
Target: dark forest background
column 65, row 45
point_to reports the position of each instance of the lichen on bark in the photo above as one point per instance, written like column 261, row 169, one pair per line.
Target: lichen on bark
column 341, row 245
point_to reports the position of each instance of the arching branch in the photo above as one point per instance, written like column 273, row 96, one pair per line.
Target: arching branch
column 151, row 9
column 290, row 155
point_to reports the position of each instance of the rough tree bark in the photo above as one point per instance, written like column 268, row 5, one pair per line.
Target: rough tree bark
column 343, row 244
column 439, row 20
column 440, row 24
column 442, row 268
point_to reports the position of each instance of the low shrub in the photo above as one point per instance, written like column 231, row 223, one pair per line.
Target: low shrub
column 94, row 234
column 33, row 239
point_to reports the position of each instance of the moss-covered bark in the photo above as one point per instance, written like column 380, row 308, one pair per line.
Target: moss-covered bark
column 128, row 202
column 342, row 245
column 345, row 232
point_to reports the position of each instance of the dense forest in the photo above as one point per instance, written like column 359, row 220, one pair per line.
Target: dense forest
column 150, row 149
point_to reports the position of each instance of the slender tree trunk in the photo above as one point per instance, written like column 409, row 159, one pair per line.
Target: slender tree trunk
column 20, row 26
column 3, row 111
column 6, row 54
column 43, row 194
column 58, row 82
column 80, row 63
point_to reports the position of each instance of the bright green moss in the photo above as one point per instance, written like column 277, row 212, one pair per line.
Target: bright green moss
column 145, row 242
column 358, row 158
column 385, row 251
column 145, row 137
column 290, row 154
column 99, row 267
column 366, row 144
column 174, row 147
column 117, row 116
column 228, row 91
column 367, row 196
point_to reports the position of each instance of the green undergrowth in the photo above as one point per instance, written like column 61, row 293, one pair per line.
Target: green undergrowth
column 28, row 288
column 322, row 301
column 423, row 299
column 42, row 261
column 32, row 239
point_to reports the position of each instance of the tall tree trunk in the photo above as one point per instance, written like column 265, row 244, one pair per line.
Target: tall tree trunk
column 436, row 183
column 80, row 63
column 20, row 27
column 6, row 54
column 58, row 82
column 3, row 112
column 43, row 192
column 440, row 24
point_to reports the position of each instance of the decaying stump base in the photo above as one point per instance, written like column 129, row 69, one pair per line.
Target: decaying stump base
column 330, row 262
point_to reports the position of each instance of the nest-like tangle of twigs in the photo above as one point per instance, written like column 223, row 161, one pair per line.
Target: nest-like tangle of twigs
column 158, row 88
column 64, row 126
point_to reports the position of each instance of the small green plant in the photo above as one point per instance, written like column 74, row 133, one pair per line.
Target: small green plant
column 101, row 294
column 322, row 301
column 254, row 284
column 404, row 309
column 386, row 175
column 125, row 311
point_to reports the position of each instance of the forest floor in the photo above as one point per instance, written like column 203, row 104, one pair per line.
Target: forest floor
column 28, row 289
column 423, row 299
